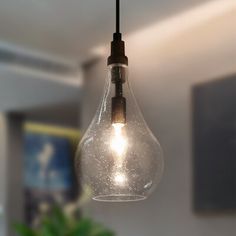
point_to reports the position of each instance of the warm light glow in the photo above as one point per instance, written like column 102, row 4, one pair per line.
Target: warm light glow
column 118, row 141
column 120, row 179
column 169, row 28
column 119, row 147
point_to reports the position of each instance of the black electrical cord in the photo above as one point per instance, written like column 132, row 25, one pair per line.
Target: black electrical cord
column 117, row 16
column 118, row 106
column 117, row 45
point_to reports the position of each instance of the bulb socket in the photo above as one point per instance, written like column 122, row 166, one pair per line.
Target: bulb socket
column 118, row 74
column 118, row 110
column 117, row 51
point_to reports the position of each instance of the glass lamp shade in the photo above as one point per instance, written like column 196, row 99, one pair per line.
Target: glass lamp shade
column 119, row 161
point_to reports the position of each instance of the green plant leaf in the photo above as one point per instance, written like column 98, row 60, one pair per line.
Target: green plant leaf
column 24, row 230
column 82, row 228
column 47, row 228
column 56, row 224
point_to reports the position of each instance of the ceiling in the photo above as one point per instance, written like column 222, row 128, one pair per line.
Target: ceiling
column 22, row 91
column 70, row 29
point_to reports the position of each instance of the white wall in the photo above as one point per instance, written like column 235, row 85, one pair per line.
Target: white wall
column 162, row 74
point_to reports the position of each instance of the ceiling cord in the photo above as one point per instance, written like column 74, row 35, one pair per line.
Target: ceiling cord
column 117, row 16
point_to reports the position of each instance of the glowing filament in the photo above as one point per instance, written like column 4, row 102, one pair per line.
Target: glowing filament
column 118, row 142
column 120, row 179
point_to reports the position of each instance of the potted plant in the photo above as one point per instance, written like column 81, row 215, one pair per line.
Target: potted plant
column 57, row 223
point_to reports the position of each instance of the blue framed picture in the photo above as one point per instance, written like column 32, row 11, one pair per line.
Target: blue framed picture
column 49, row 177
column 47, row 162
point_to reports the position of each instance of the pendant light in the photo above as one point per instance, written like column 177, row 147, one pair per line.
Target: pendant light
column 119, row 158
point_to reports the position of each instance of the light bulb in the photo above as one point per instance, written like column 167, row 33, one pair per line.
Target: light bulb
column 118, row 140
column 120, row 179
column 118, row 157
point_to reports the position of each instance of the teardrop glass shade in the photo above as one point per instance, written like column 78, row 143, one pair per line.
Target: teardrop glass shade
column 119, row 162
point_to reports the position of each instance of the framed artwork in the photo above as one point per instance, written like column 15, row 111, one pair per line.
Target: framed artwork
column 214, row 145
column 49, row 176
